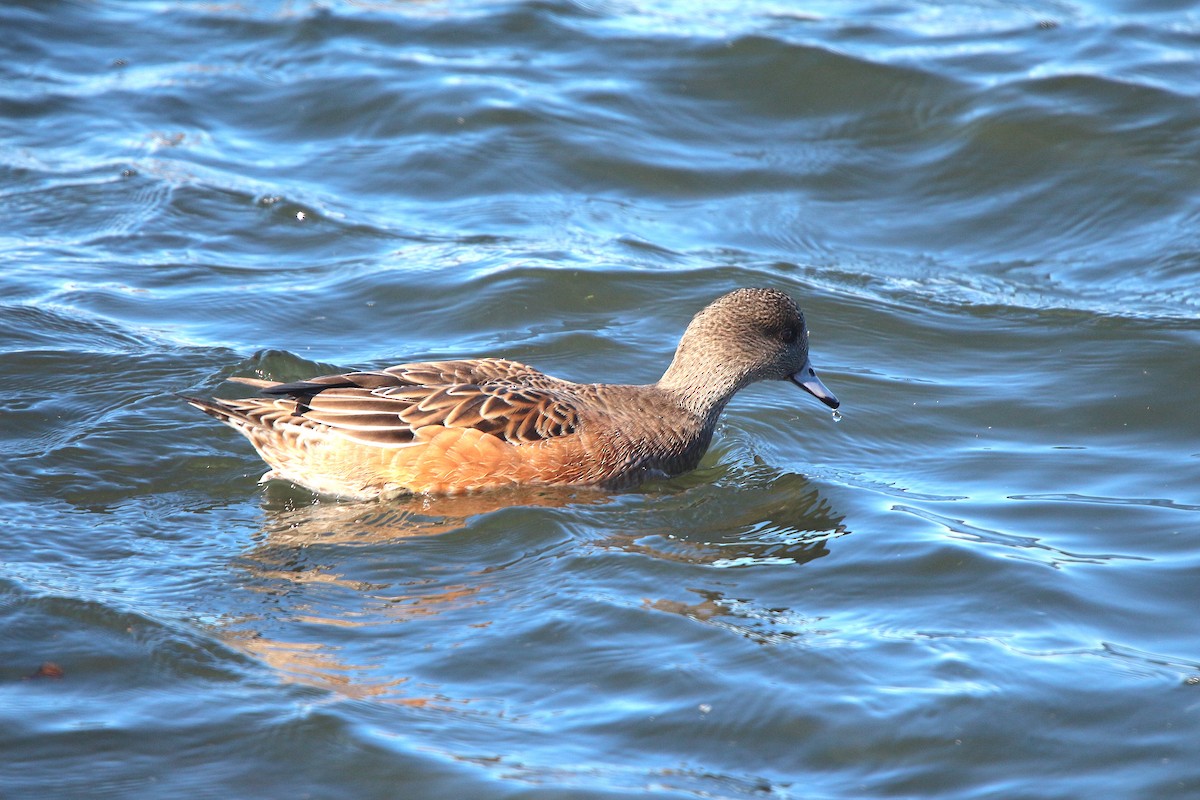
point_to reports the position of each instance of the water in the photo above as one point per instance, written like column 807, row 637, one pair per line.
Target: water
column 981, row 583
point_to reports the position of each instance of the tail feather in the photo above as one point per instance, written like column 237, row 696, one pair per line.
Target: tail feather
column 257, row 383
column 216, row 409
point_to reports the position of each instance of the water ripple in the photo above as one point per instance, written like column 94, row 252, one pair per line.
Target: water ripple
column 1022, row 544
column 1154, row 502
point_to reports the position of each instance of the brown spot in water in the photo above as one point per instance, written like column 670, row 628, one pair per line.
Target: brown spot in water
column 48, row 669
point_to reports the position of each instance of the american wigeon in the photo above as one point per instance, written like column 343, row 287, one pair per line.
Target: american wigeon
column 458, row 426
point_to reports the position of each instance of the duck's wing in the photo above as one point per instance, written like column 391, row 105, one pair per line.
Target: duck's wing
column 421, row 373
column 475, row 370
column 506, row 399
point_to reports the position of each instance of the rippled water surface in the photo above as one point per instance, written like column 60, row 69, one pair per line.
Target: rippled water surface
column 981, row 583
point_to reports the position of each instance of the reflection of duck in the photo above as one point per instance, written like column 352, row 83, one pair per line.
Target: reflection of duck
column 784, row 521
column 328, row 583
column 291, row 525
column 759, row 624
column 455, row 426
column 313, row 568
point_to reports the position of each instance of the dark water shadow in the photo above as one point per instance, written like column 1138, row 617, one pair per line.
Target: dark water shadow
column 777, row 523
column 748, row 517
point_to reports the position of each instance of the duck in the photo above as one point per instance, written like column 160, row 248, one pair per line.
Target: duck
column 453, row 427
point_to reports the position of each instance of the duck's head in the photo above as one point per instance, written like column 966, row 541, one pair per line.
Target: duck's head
column 745, row 336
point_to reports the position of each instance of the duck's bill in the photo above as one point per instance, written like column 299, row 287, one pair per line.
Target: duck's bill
column 807, row 380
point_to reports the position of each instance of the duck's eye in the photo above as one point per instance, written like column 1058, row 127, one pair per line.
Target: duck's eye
column 789, row 335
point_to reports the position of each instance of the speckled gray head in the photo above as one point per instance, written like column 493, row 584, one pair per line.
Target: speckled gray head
column 745, row 336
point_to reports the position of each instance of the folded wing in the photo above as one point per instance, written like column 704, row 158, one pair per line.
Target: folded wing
column 386, row 408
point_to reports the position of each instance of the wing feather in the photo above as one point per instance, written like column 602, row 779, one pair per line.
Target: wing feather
column 503, row 398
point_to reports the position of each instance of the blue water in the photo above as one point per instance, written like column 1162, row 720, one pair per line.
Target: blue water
column 981, row 583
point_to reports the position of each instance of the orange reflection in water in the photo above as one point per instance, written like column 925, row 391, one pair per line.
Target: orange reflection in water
column 315, row 593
